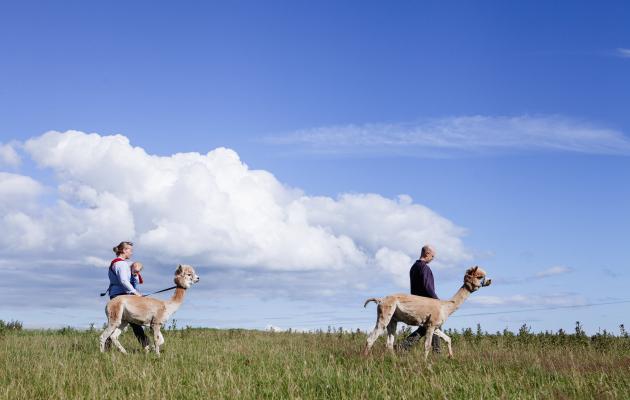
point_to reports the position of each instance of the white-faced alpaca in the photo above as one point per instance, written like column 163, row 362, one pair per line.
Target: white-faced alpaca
column 417, row 310
column 146, row 311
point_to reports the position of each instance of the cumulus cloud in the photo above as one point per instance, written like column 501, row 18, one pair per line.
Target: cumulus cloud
column 8, row 155
column 21, row 232
column 213, row 210
column 463, row 135
column 18, row 200
column 18, row 191
column 396, row 263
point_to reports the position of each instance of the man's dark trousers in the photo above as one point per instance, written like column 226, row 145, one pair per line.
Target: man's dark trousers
column 415, row 337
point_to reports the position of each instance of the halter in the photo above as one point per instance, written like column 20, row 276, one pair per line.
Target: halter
column 469, row 286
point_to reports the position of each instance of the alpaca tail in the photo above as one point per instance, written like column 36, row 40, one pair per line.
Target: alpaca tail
column 374, row 299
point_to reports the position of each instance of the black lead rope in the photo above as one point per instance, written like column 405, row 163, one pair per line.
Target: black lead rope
column 145, row 295
column 159, row 291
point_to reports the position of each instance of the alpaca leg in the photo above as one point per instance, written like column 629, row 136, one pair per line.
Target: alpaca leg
column 105, row 335
column 378, row 331
column 384, row 316
column 447, row 340
column 158, row 342
column 115, row 336
column 156, row 337
column 160, row 339
column 427, row 341
column 391, row 334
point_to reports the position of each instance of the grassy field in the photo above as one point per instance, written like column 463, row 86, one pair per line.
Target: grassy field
column 207, row 363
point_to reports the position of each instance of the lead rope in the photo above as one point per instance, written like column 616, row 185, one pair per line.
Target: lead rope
column 159, row 291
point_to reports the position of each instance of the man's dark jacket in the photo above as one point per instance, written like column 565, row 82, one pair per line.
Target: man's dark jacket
column 421, row 279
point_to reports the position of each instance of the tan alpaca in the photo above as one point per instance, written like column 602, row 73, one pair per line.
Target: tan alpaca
column 146, row 311
column 417, row 310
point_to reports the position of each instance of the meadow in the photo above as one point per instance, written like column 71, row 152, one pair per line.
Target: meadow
column 211, row 363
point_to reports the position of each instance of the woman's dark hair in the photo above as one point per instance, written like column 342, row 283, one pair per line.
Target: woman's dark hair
column 119, row 249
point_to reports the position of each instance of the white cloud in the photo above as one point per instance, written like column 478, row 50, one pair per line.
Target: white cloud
column 273, row 328
column 551, row 300
column 20, row 229
column 211, row 209
column 549, row 272
column 463, row 135
column 18, row 192
column 96, row 262
column 557, row 270
column 395, row 262
column 21, row 232
column 8, row 155
column 624, row 53
column 276, row 329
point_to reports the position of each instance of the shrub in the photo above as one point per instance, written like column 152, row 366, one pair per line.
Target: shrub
column 67, row 330
column 13, row 325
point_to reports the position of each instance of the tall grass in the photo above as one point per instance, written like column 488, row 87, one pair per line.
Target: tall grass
column 208, row 363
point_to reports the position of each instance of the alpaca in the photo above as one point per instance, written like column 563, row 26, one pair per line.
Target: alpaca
column 417, row 310
column 145, row 311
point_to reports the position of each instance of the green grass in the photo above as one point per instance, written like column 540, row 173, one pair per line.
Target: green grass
column 206, row 363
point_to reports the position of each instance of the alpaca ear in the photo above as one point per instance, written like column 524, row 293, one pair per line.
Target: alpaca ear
column 475, row 269
column 179, row 270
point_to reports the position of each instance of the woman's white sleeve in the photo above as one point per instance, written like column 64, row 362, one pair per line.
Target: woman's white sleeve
column 123, row 272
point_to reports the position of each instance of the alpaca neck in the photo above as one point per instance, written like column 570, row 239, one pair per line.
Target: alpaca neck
column 178, row 296
column 458, row 298
column 173, row 304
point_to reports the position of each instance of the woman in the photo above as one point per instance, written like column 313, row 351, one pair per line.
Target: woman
column 119, row 282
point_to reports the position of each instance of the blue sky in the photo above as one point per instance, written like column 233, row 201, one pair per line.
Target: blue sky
column 505, row 124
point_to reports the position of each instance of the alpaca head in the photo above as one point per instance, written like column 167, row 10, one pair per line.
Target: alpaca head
column 475, row 278
column 185, row 276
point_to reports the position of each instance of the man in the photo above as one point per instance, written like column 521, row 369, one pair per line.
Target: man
column 422, row 284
